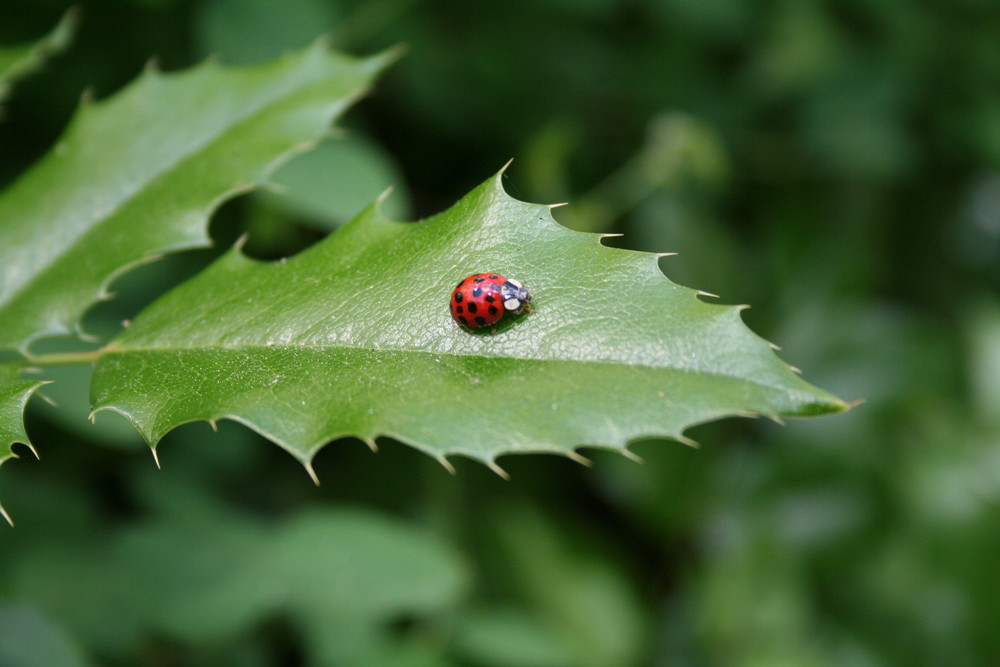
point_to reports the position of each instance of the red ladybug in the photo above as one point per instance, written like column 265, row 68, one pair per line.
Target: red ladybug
column 482, row 299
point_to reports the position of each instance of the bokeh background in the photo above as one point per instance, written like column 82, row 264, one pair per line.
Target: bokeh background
column 834, row 163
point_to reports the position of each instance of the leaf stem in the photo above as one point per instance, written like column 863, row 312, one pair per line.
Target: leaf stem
column 62, row 358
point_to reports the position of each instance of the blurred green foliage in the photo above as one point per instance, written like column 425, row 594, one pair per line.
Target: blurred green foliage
column 834, row 162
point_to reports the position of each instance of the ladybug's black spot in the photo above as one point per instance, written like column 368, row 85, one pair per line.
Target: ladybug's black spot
column 481, row 321
column 458, row 297
column 463, row 320
column 472, row 307
column 494, row 276
column 459, row 309
column 477, row 292
column 493, row 310
column 478, row 279
column 490, row 297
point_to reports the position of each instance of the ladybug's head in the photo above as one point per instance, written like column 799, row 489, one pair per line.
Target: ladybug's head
column 515, row 297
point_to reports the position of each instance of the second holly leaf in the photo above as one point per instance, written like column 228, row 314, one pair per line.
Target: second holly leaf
column 139, row 174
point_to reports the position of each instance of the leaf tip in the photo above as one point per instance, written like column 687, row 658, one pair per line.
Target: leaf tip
column 6, row 516
column 833, row 406
column 156, row 458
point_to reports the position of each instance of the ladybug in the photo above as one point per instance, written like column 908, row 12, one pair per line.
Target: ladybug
column 483, row 298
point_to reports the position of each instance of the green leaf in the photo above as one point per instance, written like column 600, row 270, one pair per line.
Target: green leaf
column 14, row 395
column 341, row 577
column 582, row 598
column 30, row 639
column 139, row 175
column 508, row 636
column 23, row 60
column 354, row 337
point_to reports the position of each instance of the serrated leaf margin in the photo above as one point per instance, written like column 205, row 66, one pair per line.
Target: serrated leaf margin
column 22, row 394
column 374, row 64
column 834, row 404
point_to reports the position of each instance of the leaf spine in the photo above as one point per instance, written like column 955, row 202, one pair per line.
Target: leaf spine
column 446, row 464
column 632, row 456
column 312, row 473
column 492, row 465
column 684, row 440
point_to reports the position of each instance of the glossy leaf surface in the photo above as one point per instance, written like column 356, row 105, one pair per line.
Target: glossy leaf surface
column 139, row 175
column 354, row 337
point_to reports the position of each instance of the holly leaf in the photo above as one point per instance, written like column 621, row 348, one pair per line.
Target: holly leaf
column 14, row 395
column 22, row 60
column 353, row 337
column 139, row 175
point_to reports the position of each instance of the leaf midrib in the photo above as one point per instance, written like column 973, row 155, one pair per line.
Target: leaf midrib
column 257, row 347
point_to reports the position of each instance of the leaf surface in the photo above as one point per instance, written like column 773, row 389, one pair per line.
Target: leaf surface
column 354, row 337
column 14, row 395
column 139, row 174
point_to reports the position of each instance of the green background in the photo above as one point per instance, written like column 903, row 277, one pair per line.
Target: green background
column 834, row 164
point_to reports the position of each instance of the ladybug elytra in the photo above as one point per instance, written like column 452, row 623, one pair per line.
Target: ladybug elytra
column 481, row 299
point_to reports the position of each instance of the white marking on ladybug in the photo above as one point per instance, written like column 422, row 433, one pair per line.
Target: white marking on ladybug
column 482, row 299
